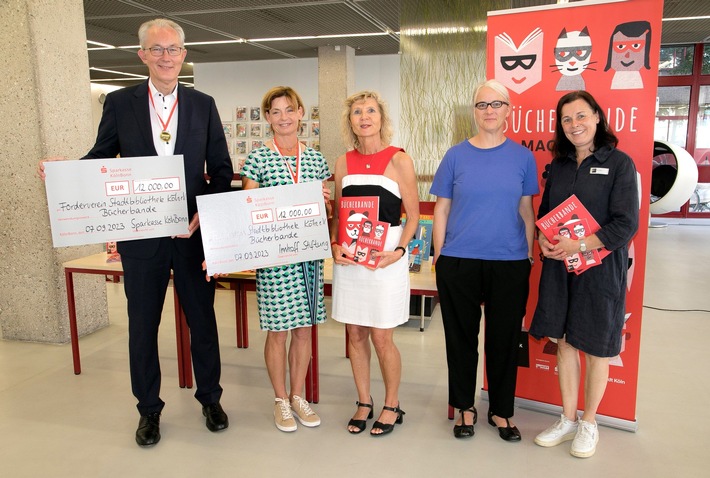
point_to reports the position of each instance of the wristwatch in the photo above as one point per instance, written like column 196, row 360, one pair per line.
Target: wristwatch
column 582, row 245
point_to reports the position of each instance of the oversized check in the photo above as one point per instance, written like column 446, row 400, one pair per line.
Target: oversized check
column 263, row 227
column 119, row 199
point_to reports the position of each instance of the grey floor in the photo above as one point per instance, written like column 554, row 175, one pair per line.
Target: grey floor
column 53, row 423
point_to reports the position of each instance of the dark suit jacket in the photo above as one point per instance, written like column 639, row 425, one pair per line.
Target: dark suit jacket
column 125, row 129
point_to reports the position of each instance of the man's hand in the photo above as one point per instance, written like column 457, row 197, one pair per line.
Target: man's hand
column 40, row 166
column 192, row 227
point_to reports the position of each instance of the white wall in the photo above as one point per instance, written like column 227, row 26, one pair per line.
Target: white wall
column 244, row 83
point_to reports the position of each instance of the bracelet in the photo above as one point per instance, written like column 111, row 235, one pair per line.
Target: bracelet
column 532, row 260
column 400, row 248
column 334, row 243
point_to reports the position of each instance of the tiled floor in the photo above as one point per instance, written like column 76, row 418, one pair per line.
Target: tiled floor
column 56, row 424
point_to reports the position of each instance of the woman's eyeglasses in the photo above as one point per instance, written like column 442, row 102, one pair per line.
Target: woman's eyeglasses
column 482, row 105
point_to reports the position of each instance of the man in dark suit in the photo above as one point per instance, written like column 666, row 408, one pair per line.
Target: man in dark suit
column 161, row 117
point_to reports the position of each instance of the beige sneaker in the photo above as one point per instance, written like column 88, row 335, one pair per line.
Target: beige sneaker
column 304, row 412
column 282, row 415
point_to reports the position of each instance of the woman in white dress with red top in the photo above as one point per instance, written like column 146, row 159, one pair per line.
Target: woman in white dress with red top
column 373, row 302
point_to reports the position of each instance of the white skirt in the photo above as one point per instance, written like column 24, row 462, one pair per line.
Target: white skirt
column 373, row 298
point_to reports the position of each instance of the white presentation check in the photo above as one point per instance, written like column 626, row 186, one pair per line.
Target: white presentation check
column 119, row 199
column 263, row 227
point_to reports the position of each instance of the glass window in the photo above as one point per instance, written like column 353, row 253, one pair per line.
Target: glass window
column 706, row 59
column 676, row 60
column 672, row 116
column 700, row 200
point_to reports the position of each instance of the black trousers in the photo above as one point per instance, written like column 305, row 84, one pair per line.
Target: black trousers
column 502, row 288
column 146, row 281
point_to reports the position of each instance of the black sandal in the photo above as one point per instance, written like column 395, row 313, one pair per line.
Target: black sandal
column 463, row 430
column 360, row 424
column 388, row 427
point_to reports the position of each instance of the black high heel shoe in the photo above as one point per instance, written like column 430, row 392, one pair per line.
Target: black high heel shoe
column 507, row 433
column 388, row 427
column 361, row 424
column 463, row 430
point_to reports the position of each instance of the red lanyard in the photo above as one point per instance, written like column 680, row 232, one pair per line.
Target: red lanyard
column 164, row 124
column 294, row 175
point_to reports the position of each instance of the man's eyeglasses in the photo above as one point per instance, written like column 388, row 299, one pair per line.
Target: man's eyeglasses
column 482, row 105
column 158, row 50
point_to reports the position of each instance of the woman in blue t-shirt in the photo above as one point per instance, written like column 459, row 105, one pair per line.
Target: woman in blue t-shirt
column 483, row 237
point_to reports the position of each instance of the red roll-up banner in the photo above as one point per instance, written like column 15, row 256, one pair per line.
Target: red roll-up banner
column 611, row 49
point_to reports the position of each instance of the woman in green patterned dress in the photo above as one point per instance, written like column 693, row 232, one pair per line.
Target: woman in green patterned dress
column 290, row 297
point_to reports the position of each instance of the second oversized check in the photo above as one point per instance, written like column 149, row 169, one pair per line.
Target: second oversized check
column 264, row 227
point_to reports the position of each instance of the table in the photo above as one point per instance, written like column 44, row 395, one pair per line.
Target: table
column 96, row 264
column 422, row 284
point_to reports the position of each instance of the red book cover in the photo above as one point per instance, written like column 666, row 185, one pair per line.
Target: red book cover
column 351, row 212
column 371, row 239
column 581, row 261
column 570, row 210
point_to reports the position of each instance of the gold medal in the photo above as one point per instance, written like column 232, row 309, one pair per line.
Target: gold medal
column 165, row 136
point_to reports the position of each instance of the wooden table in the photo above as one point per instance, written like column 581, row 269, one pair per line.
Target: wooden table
column 422, row 284
column 96, row 264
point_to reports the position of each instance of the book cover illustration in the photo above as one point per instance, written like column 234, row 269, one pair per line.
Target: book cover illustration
column 112, row 254
column 581, row 261
column 371, row 239
column 351, row 213
column 415, row 249
column 570, row 210
column 424, row 232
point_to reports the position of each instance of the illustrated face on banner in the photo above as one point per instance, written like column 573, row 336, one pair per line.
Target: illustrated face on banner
column 573, row 53
column 628, row 54
column 379, row 230
column 519, row 67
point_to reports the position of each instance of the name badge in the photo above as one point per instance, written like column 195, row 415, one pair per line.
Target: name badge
column 603, row 171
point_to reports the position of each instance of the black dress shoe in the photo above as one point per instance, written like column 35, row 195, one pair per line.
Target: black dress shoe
column 463, row 430
column 216, row 418
column 148, row 433
column 507, row 433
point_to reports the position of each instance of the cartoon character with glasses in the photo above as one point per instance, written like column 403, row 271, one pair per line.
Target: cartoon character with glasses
column 573, row 53
column 517, row 67
column 629, row 48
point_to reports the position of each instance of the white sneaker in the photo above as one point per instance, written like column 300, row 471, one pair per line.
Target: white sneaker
column 585, row 442
column 304, row 412
column 282, row 415
column 563, row 430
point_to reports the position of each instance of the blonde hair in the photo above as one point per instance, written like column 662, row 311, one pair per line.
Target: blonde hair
column 278, row 92
column 160, row 23
column 349, row 137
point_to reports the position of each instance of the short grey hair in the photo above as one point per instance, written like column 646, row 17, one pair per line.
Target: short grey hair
column 496, row 86
column 159, row 23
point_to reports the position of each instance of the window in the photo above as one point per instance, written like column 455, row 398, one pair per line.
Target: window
column 676, row 60
column 706, row 59
column 672, row 117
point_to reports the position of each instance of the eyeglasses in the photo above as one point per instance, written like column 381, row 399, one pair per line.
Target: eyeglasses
column 158, row 50
column 482, row 105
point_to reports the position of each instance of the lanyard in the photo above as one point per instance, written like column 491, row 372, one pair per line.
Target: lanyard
column 165, row 136
column 294, row 175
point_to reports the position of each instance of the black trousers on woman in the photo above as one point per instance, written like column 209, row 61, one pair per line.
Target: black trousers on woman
column 502, row 288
